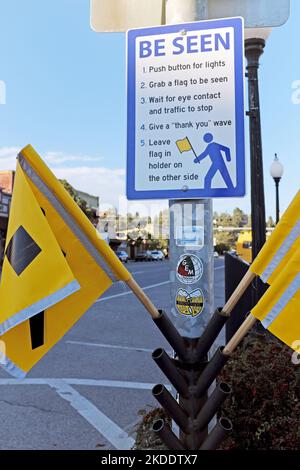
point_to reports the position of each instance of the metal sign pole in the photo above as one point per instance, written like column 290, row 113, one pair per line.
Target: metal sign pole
column 191, row 260
column 191, row 251
column 190, row 218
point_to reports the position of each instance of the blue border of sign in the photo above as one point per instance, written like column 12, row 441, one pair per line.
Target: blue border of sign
column 132, row 35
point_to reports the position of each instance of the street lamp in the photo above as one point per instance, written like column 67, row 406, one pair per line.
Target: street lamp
column 255, row 40
column 276, row 171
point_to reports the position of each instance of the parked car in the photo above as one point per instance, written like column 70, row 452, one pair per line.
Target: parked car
column 157, row 255
column 123, row 256
column 216, row 254
column 142, row 256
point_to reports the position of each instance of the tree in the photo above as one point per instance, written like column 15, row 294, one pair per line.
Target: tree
column 224, row 220
column 270, row 222
column 239, row 218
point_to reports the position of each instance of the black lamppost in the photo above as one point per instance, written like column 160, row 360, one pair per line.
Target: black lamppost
column 254, row 48
column 276, row 171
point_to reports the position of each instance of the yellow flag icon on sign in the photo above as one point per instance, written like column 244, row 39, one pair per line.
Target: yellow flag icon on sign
column 278, row 309
column 90, row 260
column 35, row 274
column 281, row 245
column 184, row 145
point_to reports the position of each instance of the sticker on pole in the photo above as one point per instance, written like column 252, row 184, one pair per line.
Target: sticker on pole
column 190, row 236
column 189, row 303
column 189, row 269
column 185, row 135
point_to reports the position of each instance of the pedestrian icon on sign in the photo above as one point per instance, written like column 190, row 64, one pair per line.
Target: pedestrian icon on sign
column 215, row 152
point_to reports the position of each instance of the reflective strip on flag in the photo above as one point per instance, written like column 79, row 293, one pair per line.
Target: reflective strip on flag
column 282, row 251
column 290, row 291
column 278, row 309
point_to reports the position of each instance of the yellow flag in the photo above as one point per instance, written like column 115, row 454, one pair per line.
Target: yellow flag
column 93, row 264
column 35, row 274
column 184, row 145
column 281, row 245
column 42, row 177
column 279, row 308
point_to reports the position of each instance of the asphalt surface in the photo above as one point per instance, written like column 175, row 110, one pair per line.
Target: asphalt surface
column 90, row 390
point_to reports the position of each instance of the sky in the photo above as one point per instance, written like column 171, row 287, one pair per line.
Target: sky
column 66, row 95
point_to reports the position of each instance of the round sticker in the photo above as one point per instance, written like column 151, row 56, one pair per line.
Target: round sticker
column 189, row 269
column 189, row 303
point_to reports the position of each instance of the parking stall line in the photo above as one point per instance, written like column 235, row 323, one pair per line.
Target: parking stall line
column 75, row 381
column 112, row 346
column 109, row 346
column 130, row 292
column 104, row 425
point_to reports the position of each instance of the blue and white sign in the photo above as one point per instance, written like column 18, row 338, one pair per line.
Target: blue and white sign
column 186, row 111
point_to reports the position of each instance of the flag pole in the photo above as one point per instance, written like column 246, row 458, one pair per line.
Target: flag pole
column 238, row 292
column 191, row 147
column 143, row 298
column 239, row 335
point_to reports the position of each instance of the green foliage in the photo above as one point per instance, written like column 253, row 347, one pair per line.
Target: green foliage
column 239, row 218
column 224, row 220
column 226, row 240
column 264, row 406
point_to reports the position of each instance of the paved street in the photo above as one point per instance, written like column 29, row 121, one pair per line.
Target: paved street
column 88, row 392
